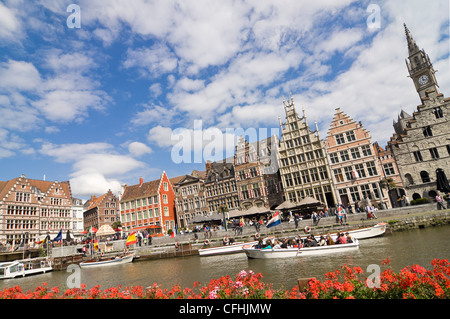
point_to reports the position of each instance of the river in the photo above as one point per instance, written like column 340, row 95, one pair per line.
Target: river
column 419, row 246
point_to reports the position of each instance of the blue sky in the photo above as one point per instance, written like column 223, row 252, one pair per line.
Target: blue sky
column 103, row 104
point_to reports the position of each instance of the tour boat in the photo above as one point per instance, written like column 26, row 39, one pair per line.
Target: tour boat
column 256, row 253
column 367, row 232
column 24, row 267
column 360, row 233
column 108, row 261
column 226, row 249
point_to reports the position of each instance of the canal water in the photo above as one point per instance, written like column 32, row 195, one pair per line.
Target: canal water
column 419, row 246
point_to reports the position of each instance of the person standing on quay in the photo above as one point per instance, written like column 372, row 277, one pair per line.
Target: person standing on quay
column 440, row 202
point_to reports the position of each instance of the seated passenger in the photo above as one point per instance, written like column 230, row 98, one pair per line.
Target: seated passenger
column 268, row 245
column 322, row 241
column 349, row 238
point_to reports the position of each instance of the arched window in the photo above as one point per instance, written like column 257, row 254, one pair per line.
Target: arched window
column 425, row 177
column 409, row 179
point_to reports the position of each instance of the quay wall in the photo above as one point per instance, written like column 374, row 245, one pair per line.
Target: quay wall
column 399, row 219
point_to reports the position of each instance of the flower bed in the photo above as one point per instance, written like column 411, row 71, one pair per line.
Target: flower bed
column 345, row 283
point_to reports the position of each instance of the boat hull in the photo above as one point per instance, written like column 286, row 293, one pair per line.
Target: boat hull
column 368, row 232
column 223, row 250
column 107, row 262
column 254, row 253
column 26, row 267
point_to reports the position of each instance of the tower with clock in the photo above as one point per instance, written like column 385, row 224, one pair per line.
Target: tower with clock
column 421, row 142
column 420, row 67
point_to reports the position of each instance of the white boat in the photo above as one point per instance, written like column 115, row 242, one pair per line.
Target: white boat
column 24, row 267
column 257, row 253
column 226, row 249
column 367, row 232
column 360, row 233
column 108, row 261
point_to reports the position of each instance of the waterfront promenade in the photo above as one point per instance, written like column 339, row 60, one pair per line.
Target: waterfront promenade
column 398, row 219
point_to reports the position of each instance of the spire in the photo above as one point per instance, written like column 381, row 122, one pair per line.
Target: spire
column 412, row 46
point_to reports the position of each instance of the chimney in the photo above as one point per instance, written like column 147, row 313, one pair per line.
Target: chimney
column 208, row 166
column 141, row 181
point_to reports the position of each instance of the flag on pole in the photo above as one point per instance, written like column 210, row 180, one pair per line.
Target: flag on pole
column 274, row 221
column 131, row 239
column 89, row 233
column 96, row 245
column 59, row 236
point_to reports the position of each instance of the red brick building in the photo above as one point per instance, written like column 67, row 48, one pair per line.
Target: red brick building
column 149, row 205
column 99, row 211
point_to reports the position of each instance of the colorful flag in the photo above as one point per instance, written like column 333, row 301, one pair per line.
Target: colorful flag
column 59, row 236
column 131, row 239
column 96, row 245
column 274, row 221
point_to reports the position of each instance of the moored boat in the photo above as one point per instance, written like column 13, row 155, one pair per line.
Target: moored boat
column 226, row 249
column 108, row 261
column 25, row 267
column 368, row 232
column 257, row 253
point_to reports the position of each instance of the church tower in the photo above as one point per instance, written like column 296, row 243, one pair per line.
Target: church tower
column 420, row 67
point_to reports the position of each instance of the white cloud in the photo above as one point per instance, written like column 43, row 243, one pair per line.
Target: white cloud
column 152, row 61
column 10, row 26
column 96, row 167
column 19, row 76
column 139, row 149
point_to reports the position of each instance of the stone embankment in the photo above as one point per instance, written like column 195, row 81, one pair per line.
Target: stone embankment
column 399, row 219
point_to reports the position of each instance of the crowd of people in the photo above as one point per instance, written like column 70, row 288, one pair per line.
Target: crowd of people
column 309, row 241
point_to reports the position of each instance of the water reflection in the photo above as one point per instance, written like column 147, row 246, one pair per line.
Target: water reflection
column 403, row 248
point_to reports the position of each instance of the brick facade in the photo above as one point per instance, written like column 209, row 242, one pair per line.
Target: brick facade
column 149, row 205
column 30, row 208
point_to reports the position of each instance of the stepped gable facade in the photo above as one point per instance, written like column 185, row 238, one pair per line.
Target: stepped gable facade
column 421, row 142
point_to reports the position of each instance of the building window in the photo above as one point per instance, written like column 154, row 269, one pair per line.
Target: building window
column 344, row 156
column 340, row 139
column 166, row 186
column 365, row 190
column 389, row 169
column 366, row 150
column 314, row 174
column 350, row 136
column 348, row 173
column 354, row 194
column 371, row 169
column 425, row 177
column 288, row 180
column 305, row 177
column 434, row 153
column 409, row 179
column 323, row 173
column 297, row 180
column 334, row 158
column 355, row 153
column 166, row 211
column 438, row 112
column 427, row 131
column 165, row 199
column 360, row 169
column 338, row 175
column 418, row 156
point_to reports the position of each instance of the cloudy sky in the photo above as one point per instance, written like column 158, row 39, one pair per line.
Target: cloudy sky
column 119, row 89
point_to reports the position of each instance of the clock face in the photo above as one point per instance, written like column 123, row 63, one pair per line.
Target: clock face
column 423, row 80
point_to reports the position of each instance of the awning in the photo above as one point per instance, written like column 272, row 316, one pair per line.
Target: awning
column 208, row 218
column 105, row 230
column 309, row 201
column 251, row 211
column 287, row 205
column 145, row 227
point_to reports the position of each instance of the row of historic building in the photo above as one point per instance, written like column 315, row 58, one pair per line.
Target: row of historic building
column 344, row 168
